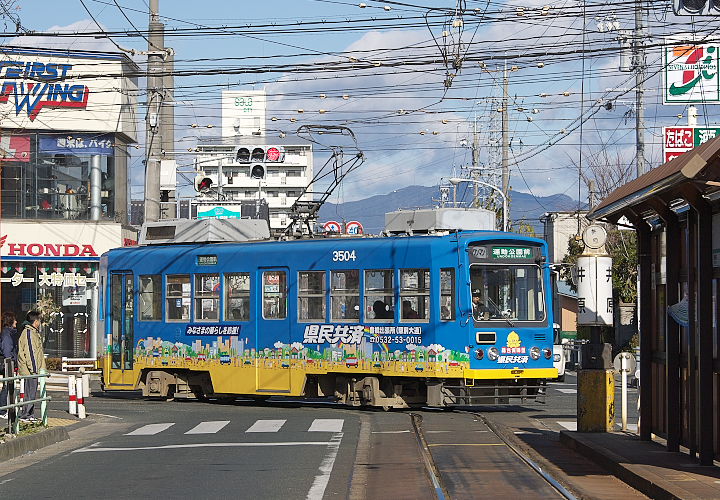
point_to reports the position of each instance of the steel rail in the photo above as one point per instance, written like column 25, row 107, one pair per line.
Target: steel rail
column 430, row 467
column 545, row 475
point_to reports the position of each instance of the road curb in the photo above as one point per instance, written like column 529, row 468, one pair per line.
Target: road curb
column 614, row 464
column 32, row 442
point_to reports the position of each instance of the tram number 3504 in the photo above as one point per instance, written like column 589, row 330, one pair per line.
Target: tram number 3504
column 343, row 255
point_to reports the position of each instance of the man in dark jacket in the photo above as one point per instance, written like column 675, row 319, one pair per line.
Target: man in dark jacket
column 8, row 349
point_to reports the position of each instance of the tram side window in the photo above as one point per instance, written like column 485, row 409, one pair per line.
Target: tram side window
column 379, row 295
column 151, row 297
column 447, row 294
column 237, row 297
column 177, row 297
column 207, row 297
column 415, row 295
column 274, row 295
column 311, row 296
column 345, row 295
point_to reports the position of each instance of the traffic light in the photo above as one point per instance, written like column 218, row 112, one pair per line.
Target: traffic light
column 242, row 155
column 203, row 183
column 696, row 7
column 257, row 172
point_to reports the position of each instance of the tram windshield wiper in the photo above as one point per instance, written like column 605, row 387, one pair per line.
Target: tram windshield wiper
column 500, row 312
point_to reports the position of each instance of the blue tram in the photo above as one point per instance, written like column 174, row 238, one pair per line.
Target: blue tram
column 457, row 319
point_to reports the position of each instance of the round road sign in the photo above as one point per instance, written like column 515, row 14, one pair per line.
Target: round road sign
column 624, row 361
column 332, row 226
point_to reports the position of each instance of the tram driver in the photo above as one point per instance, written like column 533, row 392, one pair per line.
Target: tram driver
column 481, row 311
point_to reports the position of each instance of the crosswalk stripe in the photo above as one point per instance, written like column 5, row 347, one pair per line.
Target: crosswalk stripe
column 150, row 429
column 266, row 426
column 567, row 391
column 208, row 427
column 326, row 425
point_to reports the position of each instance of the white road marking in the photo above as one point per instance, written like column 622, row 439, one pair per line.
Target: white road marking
column 208, row 427
column 204, row 445
column 104, row 415
column 317, row 490
column 389, row 432
column 6, row 481
column 567, row 391
column 266, row 426
column 571, row 426
column 326, row 425
column 150, row 429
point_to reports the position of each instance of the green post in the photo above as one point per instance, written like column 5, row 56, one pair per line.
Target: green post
column 43, row 403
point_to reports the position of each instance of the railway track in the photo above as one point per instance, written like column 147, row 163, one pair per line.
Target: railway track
column 470, row 458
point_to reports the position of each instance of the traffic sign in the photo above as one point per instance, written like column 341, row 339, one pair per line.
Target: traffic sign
column 624, row 361
column 354, row 227
column 331, row 226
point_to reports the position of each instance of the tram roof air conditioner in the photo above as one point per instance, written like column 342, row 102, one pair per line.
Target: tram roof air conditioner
column 203, row 231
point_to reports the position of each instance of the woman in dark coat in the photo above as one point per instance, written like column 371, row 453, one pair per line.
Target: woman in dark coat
column 8, row 349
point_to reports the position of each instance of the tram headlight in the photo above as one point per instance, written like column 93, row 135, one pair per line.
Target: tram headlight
column 479, row 353
column 535, row 353
column 493, row 354
column 547, row 352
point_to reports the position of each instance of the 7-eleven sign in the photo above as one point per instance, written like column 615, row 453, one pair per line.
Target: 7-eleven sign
column 691, row 73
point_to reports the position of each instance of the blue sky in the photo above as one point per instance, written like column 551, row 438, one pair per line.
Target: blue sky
column 410, row 128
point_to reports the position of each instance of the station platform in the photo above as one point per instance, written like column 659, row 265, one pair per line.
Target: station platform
column 647, row 466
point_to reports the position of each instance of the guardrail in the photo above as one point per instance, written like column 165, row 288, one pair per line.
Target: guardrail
column 75, row 364
column 17, row 396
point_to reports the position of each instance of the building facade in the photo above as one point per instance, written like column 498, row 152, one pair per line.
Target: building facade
column 67, row 119
column 247, row 169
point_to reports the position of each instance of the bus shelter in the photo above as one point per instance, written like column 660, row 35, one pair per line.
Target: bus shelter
column 674, row 209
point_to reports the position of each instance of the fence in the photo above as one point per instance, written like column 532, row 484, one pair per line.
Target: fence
column 75, row 364
column 16, row 394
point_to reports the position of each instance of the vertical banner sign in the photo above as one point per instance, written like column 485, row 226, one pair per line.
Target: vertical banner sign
column 594, row 284
column 691, row 72
column 679, row 140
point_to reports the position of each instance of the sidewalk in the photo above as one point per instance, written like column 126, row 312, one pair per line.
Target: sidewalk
column 646, row 465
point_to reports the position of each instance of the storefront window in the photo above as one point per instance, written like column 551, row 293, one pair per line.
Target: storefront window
column 49, row 176
column 63, row 291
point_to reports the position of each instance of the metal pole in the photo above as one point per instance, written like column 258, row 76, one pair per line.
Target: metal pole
column 95, row 187
column 475, row 157
column 639, row 90
column 93, row 320
column 505, row 135
column 167, row 129
column 153, row 140
column 624, row 372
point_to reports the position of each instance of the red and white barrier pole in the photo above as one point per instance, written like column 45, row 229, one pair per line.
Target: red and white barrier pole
column 80, row 399
column 22, row 390
column 72, row 398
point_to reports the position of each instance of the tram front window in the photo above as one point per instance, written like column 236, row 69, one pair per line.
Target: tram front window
column 507, row 293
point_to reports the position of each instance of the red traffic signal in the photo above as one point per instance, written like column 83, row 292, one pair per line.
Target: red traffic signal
column 275, row 154
column 203, row 184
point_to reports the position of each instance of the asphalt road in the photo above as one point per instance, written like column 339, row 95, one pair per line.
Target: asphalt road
column 137, row 448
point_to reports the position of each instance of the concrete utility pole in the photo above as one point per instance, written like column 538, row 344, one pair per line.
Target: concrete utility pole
column 153, row 141
column 639, row 55
column 167, row 130
column 505, row 135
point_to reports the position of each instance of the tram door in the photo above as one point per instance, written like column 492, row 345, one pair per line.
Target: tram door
column 273, row 331
column 122, row 320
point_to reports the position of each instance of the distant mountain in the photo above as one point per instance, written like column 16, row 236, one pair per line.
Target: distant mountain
column 371, row 211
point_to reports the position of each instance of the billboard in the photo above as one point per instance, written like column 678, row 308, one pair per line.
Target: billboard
column 690, row 72
column 243, row 113
column 65, row 90
column 678, row 140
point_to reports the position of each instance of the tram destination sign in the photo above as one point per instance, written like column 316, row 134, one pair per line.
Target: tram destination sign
column 512, row 253
column 207, row 260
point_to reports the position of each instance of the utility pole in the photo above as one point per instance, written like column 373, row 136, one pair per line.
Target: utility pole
column 167, row 132
column 475, row 163
column 639, row 53
column 505, row 135
column 592, row 191
column 153, row 140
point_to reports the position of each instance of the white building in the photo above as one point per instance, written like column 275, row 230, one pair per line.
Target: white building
column 251, row 168
column 559, row 229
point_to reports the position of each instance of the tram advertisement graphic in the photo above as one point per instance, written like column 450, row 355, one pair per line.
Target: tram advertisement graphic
column 205, row 329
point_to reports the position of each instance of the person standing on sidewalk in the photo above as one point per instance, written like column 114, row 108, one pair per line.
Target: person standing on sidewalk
column 8, row 349
column 31, row 360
